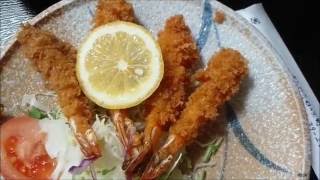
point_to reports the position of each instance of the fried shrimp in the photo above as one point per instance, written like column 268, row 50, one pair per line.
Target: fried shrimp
column 219, row 82
column 109, row 11
column 56, row 60
column 164, row 106
column 113, row 10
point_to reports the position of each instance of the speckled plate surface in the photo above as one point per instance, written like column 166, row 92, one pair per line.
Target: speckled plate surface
column 266, row 136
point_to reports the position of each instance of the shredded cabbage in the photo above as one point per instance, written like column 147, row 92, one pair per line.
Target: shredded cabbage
column 105, row 130
column 175, row 174
column 109, row 165
column 30, row 100
column 106, row 167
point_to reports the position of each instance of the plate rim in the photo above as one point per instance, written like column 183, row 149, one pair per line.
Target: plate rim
column 10, row 45
column 280, row 62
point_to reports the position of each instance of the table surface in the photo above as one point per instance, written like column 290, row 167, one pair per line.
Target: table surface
column 293, row 20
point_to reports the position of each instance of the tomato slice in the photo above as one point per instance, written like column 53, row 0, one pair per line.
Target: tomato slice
column 23, row 153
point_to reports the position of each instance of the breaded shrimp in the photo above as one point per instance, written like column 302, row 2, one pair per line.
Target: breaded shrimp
column 113, row 10
column 180, row 53
column 164, row 106
column 56, row 60
column 109, row 11
column 220, row 81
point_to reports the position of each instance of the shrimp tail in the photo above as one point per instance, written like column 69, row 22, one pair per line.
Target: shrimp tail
column 56, row 60
column 180, row 54
column 109, row 11
column 220, row 81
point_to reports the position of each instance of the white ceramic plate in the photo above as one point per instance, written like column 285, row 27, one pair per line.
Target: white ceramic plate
column 266, row 136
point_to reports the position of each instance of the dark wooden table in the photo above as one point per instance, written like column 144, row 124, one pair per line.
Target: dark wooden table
column 296, row 21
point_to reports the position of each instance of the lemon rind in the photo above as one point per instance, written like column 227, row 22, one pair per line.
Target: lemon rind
column 127, row 100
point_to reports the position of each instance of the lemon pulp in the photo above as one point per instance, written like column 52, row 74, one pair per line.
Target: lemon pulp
column 119, row 65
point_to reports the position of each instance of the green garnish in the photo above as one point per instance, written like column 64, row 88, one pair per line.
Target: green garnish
column 55, row 113
column 37, row 113
column 186, row 163
column 168, row 174
column 211, row 150
column 189, row 163
column 203, row 175
column 106, row 171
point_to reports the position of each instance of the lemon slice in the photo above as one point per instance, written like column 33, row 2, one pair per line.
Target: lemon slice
column 119, row 65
